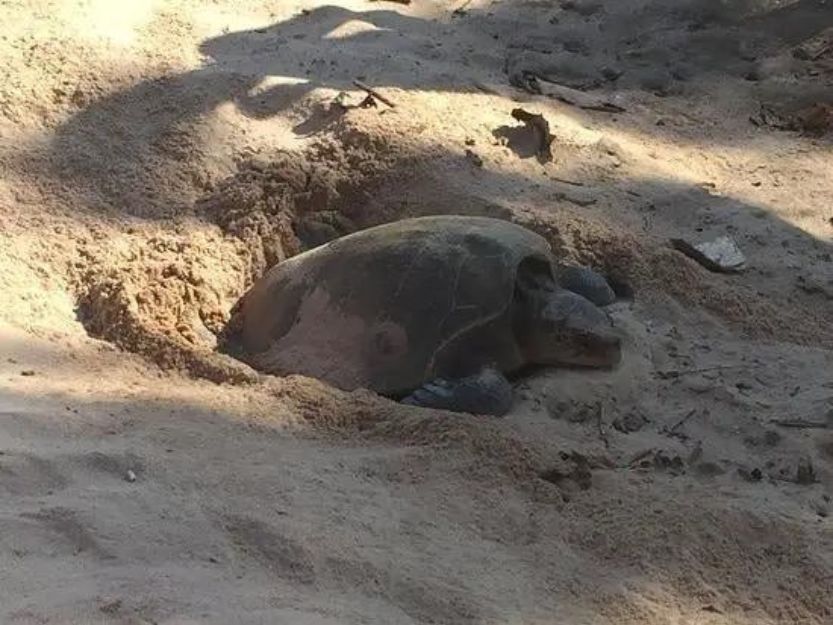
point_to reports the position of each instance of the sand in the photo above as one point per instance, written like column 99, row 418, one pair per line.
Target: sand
column 157, row 157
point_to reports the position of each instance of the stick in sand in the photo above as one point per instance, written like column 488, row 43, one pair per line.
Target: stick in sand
column 600, row 415
column 801, row 424
column 374, row 93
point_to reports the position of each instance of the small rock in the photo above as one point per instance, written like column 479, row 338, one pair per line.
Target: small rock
column 27, row 373
column 721, row 255
column 130, row 476
column 698, row 384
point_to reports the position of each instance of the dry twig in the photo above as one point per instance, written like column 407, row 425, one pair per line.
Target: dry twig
column 374, row 93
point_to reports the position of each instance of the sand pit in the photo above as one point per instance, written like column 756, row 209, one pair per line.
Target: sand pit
column 156, row 158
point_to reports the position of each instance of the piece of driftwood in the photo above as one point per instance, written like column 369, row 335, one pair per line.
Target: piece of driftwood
column 374, row 93
column 575, row 97
column 574, row 183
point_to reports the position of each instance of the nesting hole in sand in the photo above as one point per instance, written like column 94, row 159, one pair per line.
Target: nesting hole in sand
column 166, row 292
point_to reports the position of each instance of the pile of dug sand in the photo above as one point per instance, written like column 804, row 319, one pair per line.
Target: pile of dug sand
column 157, row 159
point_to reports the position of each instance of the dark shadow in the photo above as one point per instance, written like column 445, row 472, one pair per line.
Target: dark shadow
column 518, row 139
column 321, row 117
column 796, row 22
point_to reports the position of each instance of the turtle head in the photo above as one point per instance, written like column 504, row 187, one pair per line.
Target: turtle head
column 563, row 328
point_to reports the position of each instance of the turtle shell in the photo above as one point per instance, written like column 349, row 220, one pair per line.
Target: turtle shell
column 392, row 306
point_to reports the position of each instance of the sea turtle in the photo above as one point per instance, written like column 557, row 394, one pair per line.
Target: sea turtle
column 431, row 310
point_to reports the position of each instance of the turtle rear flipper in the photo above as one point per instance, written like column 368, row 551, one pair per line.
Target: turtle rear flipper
column 487, row 393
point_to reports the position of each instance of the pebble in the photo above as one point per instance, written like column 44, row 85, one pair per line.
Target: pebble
column 721, row 254
column 698, row 384
column 130, row 476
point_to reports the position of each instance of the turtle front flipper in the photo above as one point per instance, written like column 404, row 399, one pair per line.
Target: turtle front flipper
column 487, row 393
column 586, row 282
